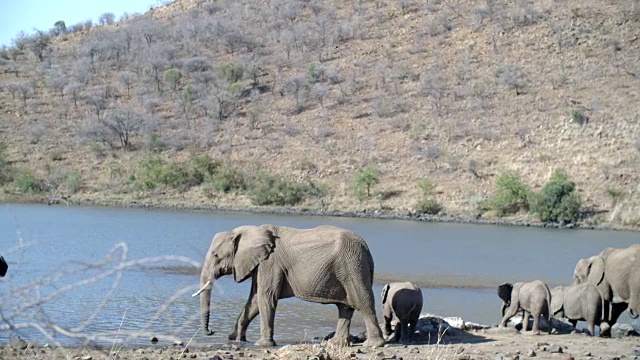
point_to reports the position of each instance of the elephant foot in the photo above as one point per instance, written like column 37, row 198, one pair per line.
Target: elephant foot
column 265, row 343
column 605, row 330
column 374, row 342
column 234, row 337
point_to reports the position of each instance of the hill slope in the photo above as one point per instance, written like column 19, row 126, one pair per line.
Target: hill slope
column 454, row 92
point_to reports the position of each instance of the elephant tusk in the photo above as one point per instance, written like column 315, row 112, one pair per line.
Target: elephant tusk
column 202, row 289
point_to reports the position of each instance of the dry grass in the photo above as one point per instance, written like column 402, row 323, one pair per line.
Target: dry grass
column 493, row 87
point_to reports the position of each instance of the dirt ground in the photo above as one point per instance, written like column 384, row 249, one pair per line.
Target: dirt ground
column 492, row 344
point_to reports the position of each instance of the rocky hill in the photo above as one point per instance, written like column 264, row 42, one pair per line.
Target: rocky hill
column 293, row 103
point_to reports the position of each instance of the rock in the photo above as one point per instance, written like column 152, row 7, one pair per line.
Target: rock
column 588, row 353
column 622, row 330
column 86, row 357
column 215, row 357
column 455, row 321
column 554, row 349
column 178, row 343
column 531, row 353
column 17, row 343
column 569, row 357
column 153, row 339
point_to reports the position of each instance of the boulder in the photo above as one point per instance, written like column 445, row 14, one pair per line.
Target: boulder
column 622, row 330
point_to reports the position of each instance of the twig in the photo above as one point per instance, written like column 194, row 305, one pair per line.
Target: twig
column 119, row 327
column 186, row 346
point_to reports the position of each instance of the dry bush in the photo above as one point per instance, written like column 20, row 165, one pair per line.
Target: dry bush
column 23, row 307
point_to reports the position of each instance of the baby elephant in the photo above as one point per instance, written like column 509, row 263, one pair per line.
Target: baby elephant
column 533, row 298
column 405, row 300
column 577, row 302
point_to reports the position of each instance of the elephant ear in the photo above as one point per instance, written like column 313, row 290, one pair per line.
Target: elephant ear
column 557, row 300
column 252, row 245
column 385, row 292
column 504, row 292
column 596, row 270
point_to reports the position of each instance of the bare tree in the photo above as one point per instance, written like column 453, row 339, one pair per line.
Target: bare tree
column 124, row 122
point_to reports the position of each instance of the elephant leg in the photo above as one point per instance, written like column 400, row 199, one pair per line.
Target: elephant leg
column 616, row 310
column 535, row 330
column 341, row 337
column 525, row 321
column 592, row 328
column 387, row 326
column 511, row 312
column 412, row 327
column 404, row 332
column 249, row 312
column 366, row 306
column 267, row 309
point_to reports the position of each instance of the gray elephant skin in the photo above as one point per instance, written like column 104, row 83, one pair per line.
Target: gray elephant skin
column 533, row 298
column 616, row 273
column 404, row 300
column 326, row 264
column 577, row 302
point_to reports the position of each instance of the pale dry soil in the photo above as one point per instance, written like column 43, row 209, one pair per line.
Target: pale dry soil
column 492, row 344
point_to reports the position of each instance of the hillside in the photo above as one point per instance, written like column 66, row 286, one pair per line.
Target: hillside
column 453, row 92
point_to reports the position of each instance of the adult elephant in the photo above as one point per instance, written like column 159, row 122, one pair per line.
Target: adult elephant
column 326, row 264
column 616, row 273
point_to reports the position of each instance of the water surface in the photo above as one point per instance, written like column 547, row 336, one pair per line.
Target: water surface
column 52, row 248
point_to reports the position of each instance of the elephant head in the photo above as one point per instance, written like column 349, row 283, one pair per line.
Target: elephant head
column 236, row 252
column 590, row 270
column 504, row 293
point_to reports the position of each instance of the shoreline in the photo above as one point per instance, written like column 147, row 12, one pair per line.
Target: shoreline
column 374, row 215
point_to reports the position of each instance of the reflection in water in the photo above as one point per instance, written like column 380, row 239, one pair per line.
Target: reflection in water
column 457, row 265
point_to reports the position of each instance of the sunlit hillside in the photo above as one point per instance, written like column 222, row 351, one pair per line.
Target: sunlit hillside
column 303, row 103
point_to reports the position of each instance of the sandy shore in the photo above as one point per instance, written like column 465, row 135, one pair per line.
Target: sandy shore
column 489, row 344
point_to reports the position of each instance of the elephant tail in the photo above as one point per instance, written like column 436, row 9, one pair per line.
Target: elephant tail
column 549, row 313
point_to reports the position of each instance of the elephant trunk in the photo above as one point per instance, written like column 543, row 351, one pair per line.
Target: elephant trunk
column 205, row 299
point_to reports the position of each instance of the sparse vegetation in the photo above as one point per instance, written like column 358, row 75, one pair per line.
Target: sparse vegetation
column 269, row 84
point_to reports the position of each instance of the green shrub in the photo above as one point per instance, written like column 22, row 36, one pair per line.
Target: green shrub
column 363, row 180
column 578, row 116
column 227, row 179
column 511, row 194
column 27, row 183
column 428, row 205
column 557, row 200
column 153, row 172
column 73, row 181
column 273, row 190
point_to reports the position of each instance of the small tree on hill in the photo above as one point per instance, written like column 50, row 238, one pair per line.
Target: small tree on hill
column 364, row 180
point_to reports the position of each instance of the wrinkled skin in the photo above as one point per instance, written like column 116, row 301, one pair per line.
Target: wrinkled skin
column 533, row 298
column 616, row 273
column 577, row 302
column 404, row 299
column 327, row 265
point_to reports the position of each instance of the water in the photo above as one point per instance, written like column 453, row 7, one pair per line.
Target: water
column 51, row 249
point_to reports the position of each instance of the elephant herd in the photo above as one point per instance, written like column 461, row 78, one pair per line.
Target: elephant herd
column 604, row 286
column 331, row 265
